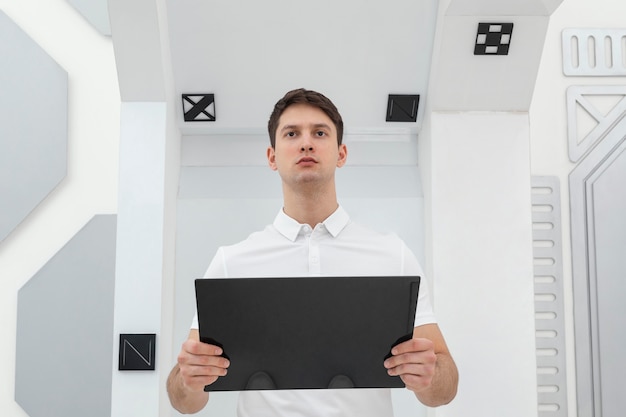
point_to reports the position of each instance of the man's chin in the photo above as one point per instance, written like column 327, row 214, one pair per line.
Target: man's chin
column 308, row 180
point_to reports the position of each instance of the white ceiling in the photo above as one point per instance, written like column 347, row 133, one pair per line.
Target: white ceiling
column 249, row 53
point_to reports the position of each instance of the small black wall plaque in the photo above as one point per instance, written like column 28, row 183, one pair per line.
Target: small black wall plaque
column 199, row 107
column 137, row 352
column 402, row 107
column 493, row 38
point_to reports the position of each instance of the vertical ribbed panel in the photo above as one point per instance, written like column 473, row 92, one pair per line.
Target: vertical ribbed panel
column 548, row 273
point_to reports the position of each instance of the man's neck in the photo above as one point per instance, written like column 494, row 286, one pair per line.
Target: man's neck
column 310, row 208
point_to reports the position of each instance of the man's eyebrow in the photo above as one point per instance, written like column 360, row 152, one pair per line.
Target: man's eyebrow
column 315, row 126
column 321, row 125
column 288, row 127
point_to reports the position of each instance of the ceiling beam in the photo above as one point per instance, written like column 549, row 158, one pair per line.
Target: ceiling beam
column 137, row 42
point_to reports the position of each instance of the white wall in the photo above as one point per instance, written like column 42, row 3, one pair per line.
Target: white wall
column 91, row 184
column 441, row 158
column 548, row 128
column 482, row 259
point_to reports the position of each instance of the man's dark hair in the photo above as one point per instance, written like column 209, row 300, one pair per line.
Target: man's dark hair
column 312, row 98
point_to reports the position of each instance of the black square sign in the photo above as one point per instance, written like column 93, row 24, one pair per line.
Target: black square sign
column 199, row 107
column 493, row 38
column 137, row 352
column 402, row 107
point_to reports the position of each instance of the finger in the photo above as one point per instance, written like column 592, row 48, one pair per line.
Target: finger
column 423, row 357
column 192, row 371
column 198, row 348
column 412, row 345
column 418, row 369
column 197, row 383
column 196, row 377
column 188, row 359
column 416, row 383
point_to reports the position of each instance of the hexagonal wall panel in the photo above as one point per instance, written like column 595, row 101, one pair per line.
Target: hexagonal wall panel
column 96, row 12
column 64, row 346
column 33, row 127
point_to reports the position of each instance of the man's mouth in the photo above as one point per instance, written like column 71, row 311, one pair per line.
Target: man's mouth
column 306, row 160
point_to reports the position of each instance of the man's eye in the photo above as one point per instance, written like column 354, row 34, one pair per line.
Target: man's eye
column 291, row 134
column 320, row 133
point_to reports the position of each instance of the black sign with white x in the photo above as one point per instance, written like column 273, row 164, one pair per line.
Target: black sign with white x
column 199, row 107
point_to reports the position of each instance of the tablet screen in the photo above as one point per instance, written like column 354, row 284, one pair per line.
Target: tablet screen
column 305, row 331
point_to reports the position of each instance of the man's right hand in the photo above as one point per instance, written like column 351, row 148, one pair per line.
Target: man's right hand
column 200, row 363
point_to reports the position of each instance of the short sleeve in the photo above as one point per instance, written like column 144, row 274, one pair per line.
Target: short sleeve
column 216, row 269
column 424, row 313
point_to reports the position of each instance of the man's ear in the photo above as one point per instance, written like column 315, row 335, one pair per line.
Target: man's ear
column 271, row 158
column 343, row 155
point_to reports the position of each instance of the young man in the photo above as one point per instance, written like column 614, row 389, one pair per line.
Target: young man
column 313, row 236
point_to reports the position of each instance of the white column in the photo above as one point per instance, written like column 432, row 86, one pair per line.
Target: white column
column 142, row 250
column 482, row 263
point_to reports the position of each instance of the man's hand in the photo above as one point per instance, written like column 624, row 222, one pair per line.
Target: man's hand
column 414, row 361
column 200, row 364
column 425, row 366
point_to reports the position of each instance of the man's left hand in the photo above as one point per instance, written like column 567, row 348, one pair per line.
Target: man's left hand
column 414, row 361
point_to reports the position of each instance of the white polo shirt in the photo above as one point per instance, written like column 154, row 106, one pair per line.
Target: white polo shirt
column 336, row 247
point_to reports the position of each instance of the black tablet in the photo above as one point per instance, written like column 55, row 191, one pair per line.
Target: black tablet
column 304, row 332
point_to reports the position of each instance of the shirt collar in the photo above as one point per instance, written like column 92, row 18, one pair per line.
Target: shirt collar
column 290, row 228
column 337, row 221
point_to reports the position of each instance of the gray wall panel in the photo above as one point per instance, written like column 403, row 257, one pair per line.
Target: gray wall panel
column 96, row 12
column 598, row 230
column 33, row 125
column 609, row 202
column 65, row 326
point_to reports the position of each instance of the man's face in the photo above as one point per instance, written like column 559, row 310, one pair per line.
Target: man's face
column 306, row 149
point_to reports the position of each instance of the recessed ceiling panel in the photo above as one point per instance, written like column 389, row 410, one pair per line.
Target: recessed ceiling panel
column 250, row 53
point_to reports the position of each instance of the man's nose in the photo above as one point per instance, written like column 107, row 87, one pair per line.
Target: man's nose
column 307, row 144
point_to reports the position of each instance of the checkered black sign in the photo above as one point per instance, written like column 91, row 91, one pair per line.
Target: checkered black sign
column 493, row 38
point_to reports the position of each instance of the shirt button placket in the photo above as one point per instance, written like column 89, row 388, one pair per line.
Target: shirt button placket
column 314, row 255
